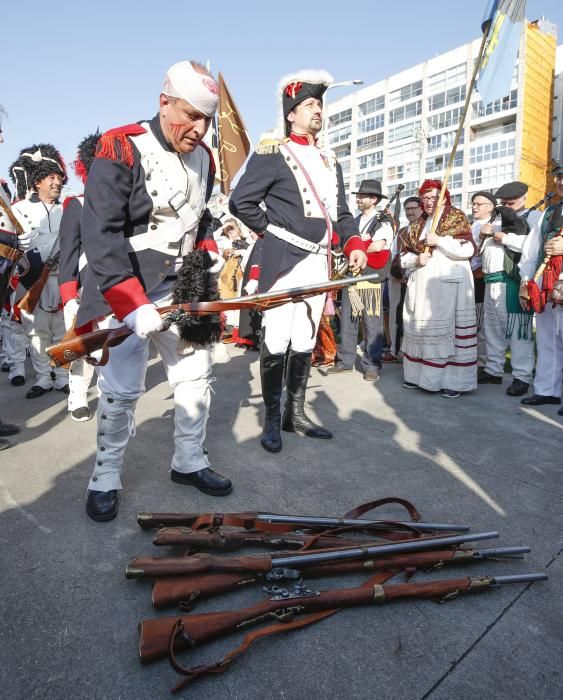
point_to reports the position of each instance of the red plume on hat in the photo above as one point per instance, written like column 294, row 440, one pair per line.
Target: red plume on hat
column 85, row 155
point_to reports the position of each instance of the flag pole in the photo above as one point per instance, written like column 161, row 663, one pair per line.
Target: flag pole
column 459, row 130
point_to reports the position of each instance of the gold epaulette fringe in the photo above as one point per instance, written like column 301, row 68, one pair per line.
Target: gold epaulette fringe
column 267, row 146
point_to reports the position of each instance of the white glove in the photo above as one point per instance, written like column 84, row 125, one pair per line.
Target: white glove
column 144, row 320
column 69, row 312
column 24, row 240
column 251, row 286
column 218, row 263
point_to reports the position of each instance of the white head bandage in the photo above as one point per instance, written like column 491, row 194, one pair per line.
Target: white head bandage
column 200, row 90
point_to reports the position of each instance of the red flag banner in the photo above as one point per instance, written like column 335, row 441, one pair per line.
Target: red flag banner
column 234, row 145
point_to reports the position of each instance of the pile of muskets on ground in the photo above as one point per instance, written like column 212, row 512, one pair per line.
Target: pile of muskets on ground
column 316, row 546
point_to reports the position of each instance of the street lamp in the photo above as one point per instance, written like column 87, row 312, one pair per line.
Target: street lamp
column 342, row 83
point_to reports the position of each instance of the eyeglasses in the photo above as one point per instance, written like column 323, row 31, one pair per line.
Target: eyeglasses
column 428, row 199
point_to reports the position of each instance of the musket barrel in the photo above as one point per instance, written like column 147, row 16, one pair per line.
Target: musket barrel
column 362, row 552
column 520, row 578
column 311, row 521
column 501, row 552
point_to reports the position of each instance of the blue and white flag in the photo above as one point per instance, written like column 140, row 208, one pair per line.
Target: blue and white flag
column 505, row 19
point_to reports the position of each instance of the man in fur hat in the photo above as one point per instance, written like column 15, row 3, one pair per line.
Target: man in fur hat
column 145, row 207
column 302, row 188
column 39, row 175
column 80, row 373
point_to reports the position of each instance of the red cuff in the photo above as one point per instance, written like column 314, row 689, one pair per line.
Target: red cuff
column 126, row 297
column 68, row 290
column 352, row 244
column 254, row 273
column 208, row 244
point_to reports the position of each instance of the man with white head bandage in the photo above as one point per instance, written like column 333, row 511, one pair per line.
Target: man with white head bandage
column 145, row 208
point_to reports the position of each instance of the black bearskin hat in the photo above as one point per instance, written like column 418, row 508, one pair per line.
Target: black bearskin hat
column 85, row 155
column 34, row 164
column 196, row 283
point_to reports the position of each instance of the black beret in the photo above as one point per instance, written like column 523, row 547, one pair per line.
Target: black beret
column 512, row 190
column 491, row 197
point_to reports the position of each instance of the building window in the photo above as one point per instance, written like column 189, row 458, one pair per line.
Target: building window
column 411, row 189
column 367, row 142
column 340, row 135
column 444, row 99
column 484, row 110
column 492, row 151
column 492, row 175
column 341, row 153
column 399, row 172
column 451, row 76
column 404, row 151
column 455, row 182
column 433, row 165
column 371, row 175
column 371, row 124
column 405, row 112
column 340, row 118
column 441, row 142
column 456, row 200
column 406, row 93
column 444, row 119
column 402, row 132
column 345, row 165
column 370, row 160
column 371, row 106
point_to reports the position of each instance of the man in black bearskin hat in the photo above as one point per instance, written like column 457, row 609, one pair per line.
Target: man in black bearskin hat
column 145, row 207
column 80, row 373
column 303, row 190
column 39, row 175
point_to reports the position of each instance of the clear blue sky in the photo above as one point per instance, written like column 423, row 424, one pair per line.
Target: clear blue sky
column 70, row 67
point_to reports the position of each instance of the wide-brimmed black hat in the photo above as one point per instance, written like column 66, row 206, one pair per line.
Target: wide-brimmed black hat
column 371, row 188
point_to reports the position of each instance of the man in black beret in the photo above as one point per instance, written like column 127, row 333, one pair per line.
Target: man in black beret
column 506, row 324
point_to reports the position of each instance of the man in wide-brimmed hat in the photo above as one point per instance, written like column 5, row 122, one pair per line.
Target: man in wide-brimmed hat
column 303, row 190
column 364, row 302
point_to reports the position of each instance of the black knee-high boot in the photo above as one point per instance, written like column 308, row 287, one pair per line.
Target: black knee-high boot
column 271, row 375
column 294, row 418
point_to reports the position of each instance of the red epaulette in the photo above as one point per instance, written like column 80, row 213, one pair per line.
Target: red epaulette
column 211, row 158
column 114, row 144
column 68, row 200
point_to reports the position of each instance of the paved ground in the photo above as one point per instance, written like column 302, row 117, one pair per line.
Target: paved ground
column 69, row 615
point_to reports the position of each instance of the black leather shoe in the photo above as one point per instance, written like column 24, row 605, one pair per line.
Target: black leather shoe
column 338, row 368
column 271, row 378
column 517, row 388
column 539, row 400
column 36, row 391
column 205, row 480
column 294, row 419
column 8, row 429
column 65, row 389
column 102, row 505
column 486, row 378
column 18, row 380
column 560, row 411
column 5, row 367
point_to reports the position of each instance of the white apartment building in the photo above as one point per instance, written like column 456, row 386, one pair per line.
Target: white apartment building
column 400, row 130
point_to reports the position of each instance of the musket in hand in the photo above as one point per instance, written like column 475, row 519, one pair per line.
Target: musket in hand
column 84, row 345
column 142, row 567
column 31, row 298
column 162, row 637
column 168, row 591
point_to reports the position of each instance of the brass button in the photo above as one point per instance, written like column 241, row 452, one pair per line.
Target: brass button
column 295, row 167
column 308, row 213
column 104, row 416
column 304, row 189
column 308, row 201
column 110, row 400
column 288, row 158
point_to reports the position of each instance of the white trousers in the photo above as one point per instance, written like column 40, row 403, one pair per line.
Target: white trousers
column 293, row 323
column 79, row 378
column 495, row 324
column 44, row 328
column 16, row 344
column 549, row 341
column 122, row 381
